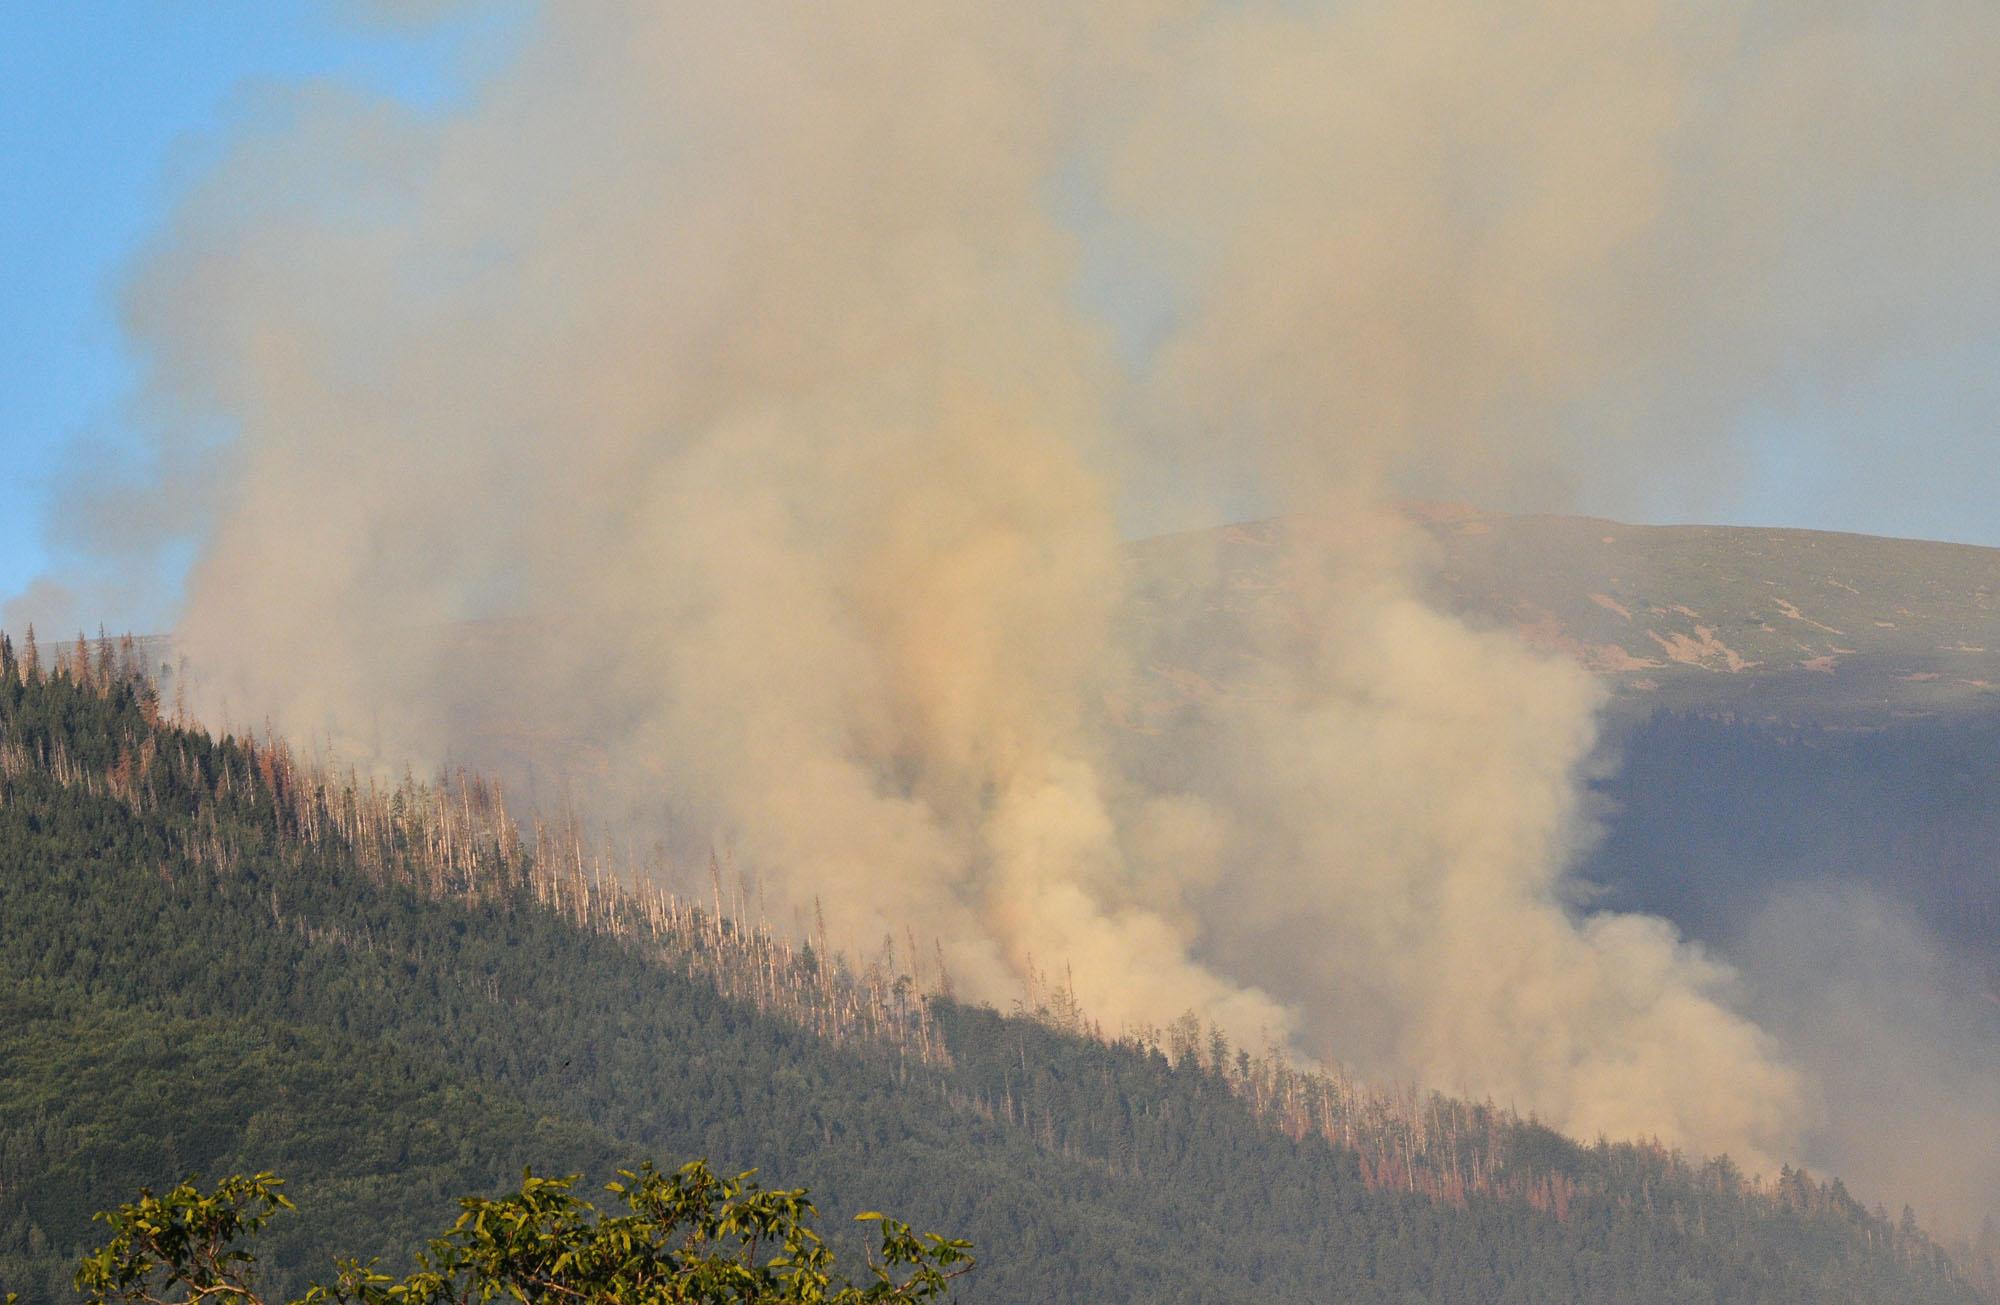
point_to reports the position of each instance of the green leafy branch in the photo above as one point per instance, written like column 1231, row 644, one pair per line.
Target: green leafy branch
column 690, row 1236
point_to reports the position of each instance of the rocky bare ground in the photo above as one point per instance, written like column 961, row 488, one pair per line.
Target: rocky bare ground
column 1766, row 623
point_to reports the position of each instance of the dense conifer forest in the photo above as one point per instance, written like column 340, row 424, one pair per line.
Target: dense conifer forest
column 215, row 959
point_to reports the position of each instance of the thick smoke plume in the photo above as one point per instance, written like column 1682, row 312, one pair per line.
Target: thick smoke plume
column 776, row 383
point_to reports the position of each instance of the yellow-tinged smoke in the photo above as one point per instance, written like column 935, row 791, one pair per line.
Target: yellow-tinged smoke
column 769, row 353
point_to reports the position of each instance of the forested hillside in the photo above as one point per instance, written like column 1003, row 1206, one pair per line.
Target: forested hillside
column 213, row 959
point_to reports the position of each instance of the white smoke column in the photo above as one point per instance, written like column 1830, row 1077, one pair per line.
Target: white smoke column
column 886, row 711
column 742, row 346
column 1420, row 270
column 739, row 343
column 1408, row 792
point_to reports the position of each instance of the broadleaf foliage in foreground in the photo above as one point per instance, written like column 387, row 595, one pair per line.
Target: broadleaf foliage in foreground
column 687, row 1238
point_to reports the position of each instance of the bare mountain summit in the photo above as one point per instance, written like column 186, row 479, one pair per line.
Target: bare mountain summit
column 1848, row 629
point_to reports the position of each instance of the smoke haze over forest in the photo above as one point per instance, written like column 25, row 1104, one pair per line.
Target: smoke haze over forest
column 807, row 366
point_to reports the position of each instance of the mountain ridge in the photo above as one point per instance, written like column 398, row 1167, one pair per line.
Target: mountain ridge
column 1771, row 622
column 197, row 932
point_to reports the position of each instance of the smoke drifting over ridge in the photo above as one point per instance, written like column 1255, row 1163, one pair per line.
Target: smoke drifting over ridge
column 749, row 343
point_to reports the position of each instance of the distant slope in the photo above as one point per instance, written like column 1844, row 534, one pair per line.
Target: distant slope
column 1775, row 623
column 1780, row 625
column 210, row 960
column 1788, row 707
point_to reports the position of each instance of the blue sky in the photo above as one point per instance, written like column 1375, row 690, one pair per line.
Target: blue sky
column 107, row 109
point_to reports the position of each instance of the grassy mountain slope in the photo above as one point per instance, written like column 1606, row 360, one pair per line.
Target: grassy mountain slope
column 1775, row 623
column 210, row 961
column 1787, row 708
